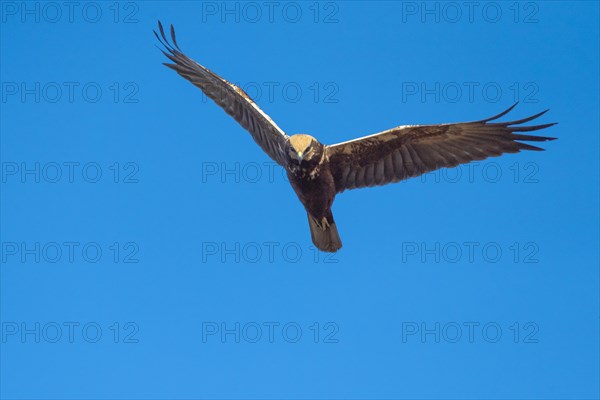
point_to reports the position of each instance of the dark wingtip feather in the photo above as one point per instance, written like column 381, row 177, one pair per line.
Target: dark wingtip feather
column 524, row 120
column 170, row 56
column 525, row 146
column 162, row 31
column 173, row 37
column 530, row 128
column 515, row 126
column 503, row 113
column 162, row 38
column 172, row 66
column 517, row 137
column 159, row 39
column 532, row 138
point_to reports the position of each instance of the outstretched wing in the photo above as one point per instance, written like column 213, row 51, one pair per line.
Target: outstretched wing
column 408, row 151
column 229, row 96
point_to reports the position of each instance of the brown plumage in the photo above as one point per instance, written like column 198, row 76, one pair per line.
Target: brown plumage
column 318, row 172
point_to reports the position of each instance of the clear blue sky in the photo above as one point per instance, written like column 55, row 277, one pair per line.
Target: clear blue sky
column 151, row 250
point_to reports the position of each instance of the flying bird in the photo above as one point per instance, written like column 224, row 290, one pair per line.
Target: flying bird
column 317, row 172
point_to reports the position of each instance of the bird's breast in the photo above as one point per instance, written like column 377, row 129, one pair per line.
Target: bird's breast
column 315, row 188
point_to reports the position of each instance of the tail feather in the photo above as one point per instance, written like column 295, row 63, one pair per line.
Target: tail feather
column 325, row 237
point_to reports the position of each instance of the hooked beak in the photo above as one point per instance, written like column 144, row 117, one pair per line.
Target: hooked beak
column 300, row 157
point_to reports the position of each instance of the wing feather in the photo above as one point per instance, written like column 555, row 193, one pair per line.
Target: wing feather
column 408, row 151
column 228, row 96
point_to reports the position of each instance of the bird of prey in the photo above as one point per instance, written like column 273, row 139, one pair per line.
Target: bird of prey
column 317, row 172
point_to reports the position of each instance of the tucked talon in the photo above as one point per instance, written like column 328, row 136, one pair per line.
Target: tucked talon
column 317, row 223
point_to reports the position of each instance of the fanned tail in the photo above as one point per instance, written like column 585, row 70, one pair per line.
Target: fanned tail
column 324, row 234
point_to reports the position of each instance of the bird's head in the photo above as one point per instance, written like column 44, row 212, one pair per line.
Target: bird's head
column 304, row 150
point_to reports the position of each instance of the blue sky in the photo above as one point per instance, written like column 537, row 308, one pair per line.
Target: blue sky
column 151, row 250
